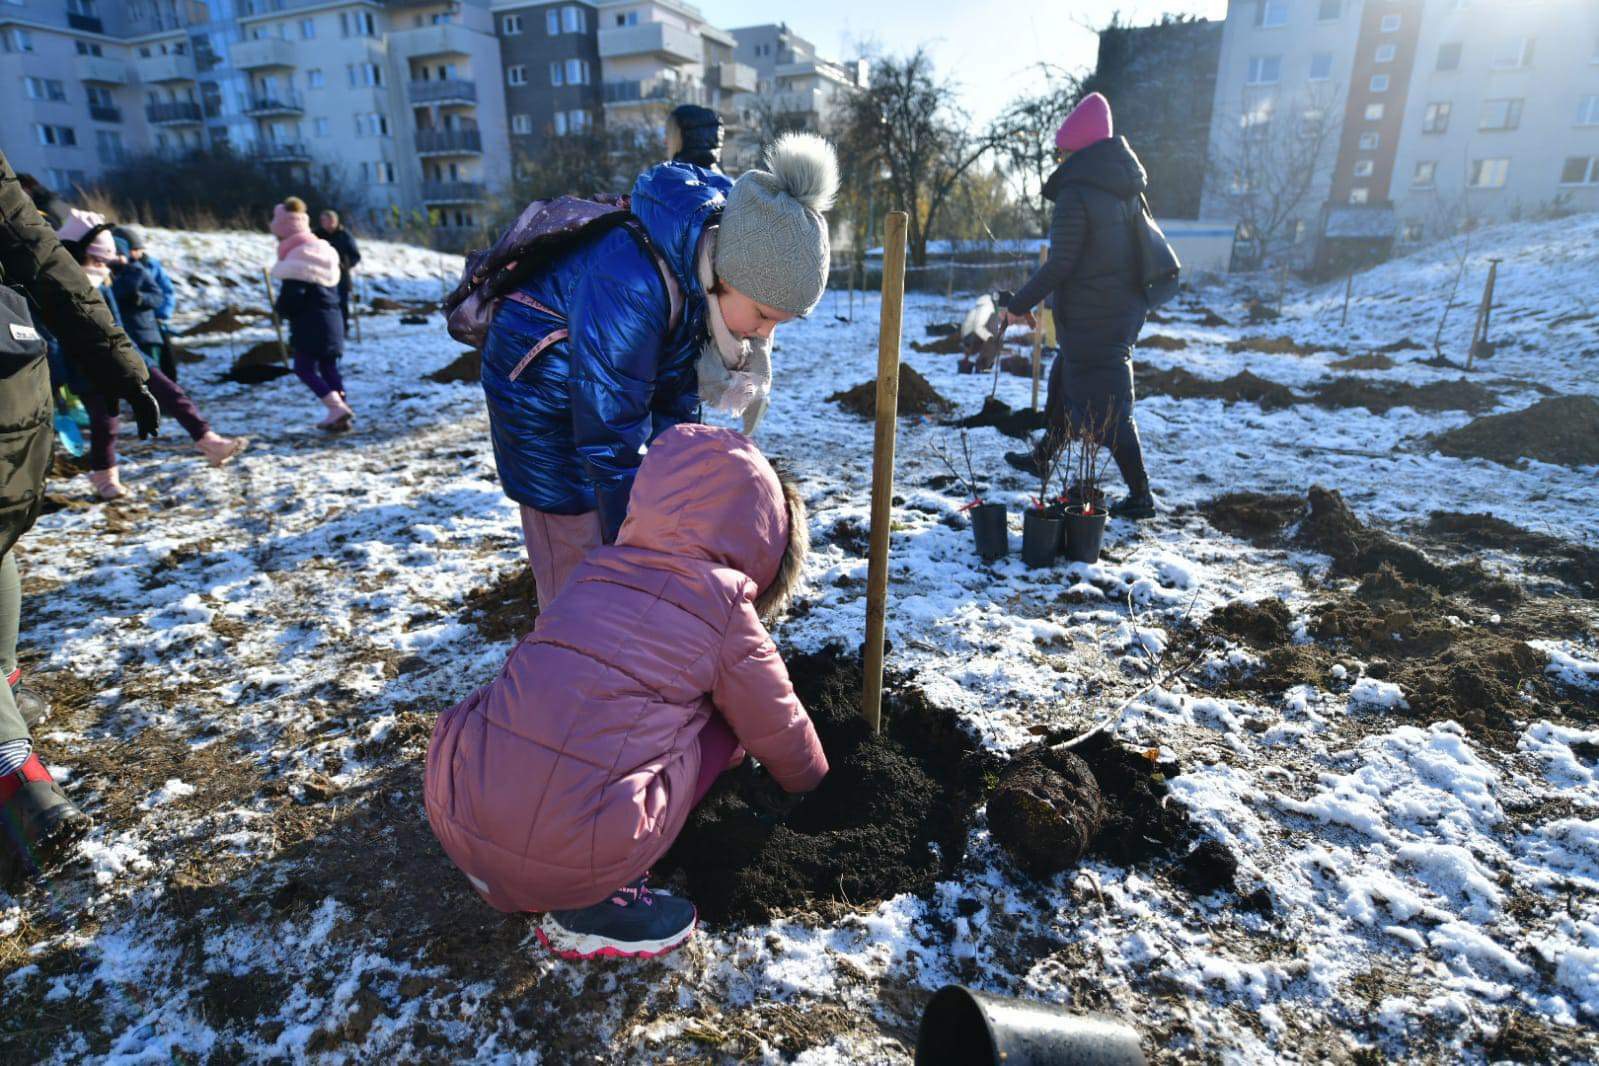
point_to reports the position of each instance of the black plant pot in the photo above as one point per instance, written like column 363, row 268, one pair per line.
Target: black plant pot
column 965, row 1028
column 989, row 530
column 1057, row 510
column 1085, row 533
column 1076, row 495
column 1040, row 537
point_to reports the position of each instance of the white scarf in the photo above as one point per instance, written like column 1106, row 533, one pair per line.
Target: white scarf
column 734, row 375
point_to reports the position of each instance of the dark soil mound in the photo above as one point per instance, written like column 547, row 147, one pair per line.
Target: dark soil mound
column 227, row 320
column 916, row 396
column 180, row 354
column 1575, row 564
column 1257, row 517
column 1211, row 320
column 1404, row 344
column 1372, row 361
column 259, row 363
column 505, row 610
column 950, row 345
column 383, row 303
column 1140, row 824
column 943, row 329
column 1263, row 624
column 1381, row 397
column 1020, row 366
column 1046, row 809
column 891, row 816
column 1284, row 345
column 1563, row 430
column 1242, row 387
column 1160, row 343
column 998, row 414
column 466, row 367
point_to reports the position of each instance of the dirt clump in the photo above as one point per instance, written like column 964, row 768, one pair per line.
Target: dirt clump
column 464, row 368
column 506, row 609
column 257, row 364
column 1210, row 867
column 1404, row 344
column 1211, row 320
column 1263, row 624
column 1370, row 361
column 1140, row 824
column 1575, row 564
column 1380, row 397
column 891, row 816
column 1523, row 1038
column 1019, row 423
column 916, row 396
column 1161, row 343
column 1242, row 387
column 942, row 329
column 1563, row 430
column 1257, row 517
column 1283, row 345
column 1046, row 809
column 227, row 320
column 947, row 345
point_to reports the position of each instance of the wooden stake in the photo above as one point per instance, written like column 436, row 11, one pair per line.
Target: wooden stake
column 1479, row 332
column 1038, row 338
column 1349, row 287
column 355, row 309
column 277, row 323
column 888, row 341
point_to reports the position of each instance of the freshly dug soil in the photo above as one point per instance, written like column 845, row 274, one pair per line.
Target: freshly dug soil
column 1284, row 345
column 1046, row 809
column 1562, row 429
column 466, row 367
column 948, row 345
column 1242, row 387
column 506, row 609
column 943, row 329
column 180, row 354
column 227, row 320
column 1262, row 625
column 1379, row 397
column 890, row 817
column 998, row 414
column 1161, row 343
column 1020, row 366
column 1404, row 344
column 916, row 396
column 1371, row 361
column 259, row 363
column 1257, row 517
column 1575, row 564
column 1211, row 320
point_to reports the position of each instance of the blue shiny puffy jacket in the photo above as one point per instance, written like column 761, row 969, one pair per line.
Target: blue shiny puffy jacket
column 569, row 425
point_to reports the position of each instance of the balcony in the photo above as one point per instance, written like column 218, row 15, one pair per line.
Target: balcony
column 102, row 113
column 167, row 68
column 449, row 39
column 734, row 78
column 176, row 113
column 447, row 91
column 655, row 39
column 86, row 23
column 262, row 54
column 619, row 94
column 452, row 192
column 289, row 152
column 98, row 70
column 449, row 142
column 266, row 103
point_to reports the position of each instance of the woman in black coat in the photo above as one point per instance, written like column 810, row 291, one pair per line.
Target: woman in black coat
column 1099, row 306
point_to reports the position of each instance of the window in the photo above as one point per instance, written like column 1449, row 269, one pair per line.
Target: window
column 557, row 73
column 516, row 75
column 577, row 121
column 1580, row 170
column 1321, row 66
column 1265, row 70
column 357, row 24
column 1500, row 115
column 1386, row 53
column 1436, row 118
column 1513, row 54
column 1449, row 55
column 307, row 29
column 521, row 123
column 321, row 126
column 577, row 72
column 511, row 25
column 315, row 79
column 1425, row 174
column 1379, row 83
column 1588, row 111
column 1269, row 13
column 1390, row 23
column 552, row 22
column 576, row 20
column 560, row 123
column 1374, row 112
column 368, row 75
column 87, row 49
column 1411, row 232
column 18, row 40
column 99, row 96
column 629, row 19
column 1329, row 10
column 57, row 136
column 108, row 145
column 1488, row 173
column 1369, row 141
column 1364, row 168
column 44, row 89
column 1359, row 194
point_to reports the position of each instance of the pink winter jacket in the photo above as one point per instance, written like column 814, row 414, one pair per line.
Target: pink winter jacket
column 574, row 770
column 302, row 255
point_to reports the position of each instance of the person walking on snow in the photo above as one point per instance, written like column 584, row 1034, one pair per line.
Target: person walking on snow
column 308, row 298
column 619, row 338
column 38, row 823
column 132, row 298
column 130, row 243
column 343, row 241
column 559, row 796
column 1099, row 305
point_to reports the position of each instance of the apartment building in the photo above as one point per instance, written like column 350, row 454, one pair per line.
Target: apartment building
column 795, row 88
column 656, row 54
column 550, row 60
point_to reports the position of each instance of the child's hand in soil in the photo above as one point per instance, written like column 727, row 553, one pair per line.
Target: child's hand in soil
column 764, row 794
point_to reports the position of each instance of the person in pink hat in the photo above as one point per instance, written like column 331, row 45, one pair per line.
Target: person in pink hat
column 308, row 268
column 1092, row 276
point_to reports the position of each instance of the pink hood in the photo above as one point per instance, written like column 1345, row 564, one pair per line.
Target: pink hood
column 80, row 223
column 302, row 256
column 573, row 772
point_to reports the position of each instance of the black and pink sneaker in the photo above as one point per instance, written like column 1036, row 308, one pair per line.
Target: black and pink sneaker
column 38, row 824
column 636, row 922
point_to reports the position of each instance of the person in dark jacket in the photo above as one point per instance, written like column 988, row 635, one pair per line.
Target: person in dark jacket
column 55, row 210
column 130, row 242
column 38, row 823
column 343, row 242
column 1099, row 306
column 694, row 135
column 308, row 267
column 624, row 334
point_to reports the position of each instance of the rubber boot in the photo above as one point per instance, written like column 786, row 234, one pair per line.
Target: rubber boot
column 38, row 824
column 107, row 485
column 219, row 450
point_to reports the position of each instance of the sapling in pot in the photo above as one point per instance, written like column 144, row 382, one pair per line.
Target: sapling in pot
column 1086, row 514
column 1041, row 525
column 988, row 519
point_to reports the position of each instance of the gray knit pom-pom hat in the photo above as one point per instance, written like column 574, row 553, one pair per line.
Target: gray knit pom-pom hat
column 773, row 241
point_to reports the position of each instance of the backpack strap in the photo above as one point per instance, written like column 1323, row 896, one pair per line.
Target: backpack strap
column 674, row 288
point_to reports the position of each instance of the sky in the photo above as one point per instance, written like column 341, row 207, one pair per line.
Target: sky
column 990, row 49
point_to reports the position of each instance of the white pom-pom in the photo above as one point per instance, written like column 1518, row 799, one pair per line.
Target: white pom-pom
column 806, row 167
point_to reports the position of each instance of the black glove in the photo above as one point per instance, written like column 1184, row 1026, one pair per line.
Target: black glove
column 146, row 412
column 762, row 792
column 1003, row 297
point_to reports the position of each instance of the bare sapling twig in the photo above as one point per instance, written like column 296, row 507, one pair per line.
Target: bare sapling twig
column 1050, row 452
column 1093, row 455
column 968, row 480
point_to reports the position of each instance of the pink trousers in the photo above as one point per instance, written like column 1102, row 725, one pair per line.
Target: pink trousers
column 717, row 745
column 556, row 543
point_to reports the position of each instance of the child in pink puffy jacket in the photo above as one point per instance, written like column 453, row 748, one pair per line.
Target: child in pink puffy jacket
column 555, row 787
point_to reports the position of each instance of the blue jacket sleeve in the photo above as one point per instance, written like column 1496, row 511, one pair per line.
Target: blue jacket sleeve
column 168, row 298
column 618, row 317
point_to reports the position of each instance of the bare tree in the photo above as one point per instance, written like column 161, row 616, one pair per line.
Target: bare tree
column 907, row 126
column 1270, row 167
column 1024, row 136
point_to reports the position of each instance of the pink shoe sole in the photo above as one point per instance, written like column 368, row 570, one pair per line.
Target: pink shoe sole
column 609, row 952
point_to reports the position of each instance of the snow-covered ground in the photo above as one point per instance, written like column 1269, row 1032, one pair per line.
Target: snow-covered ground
column 247, row 663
